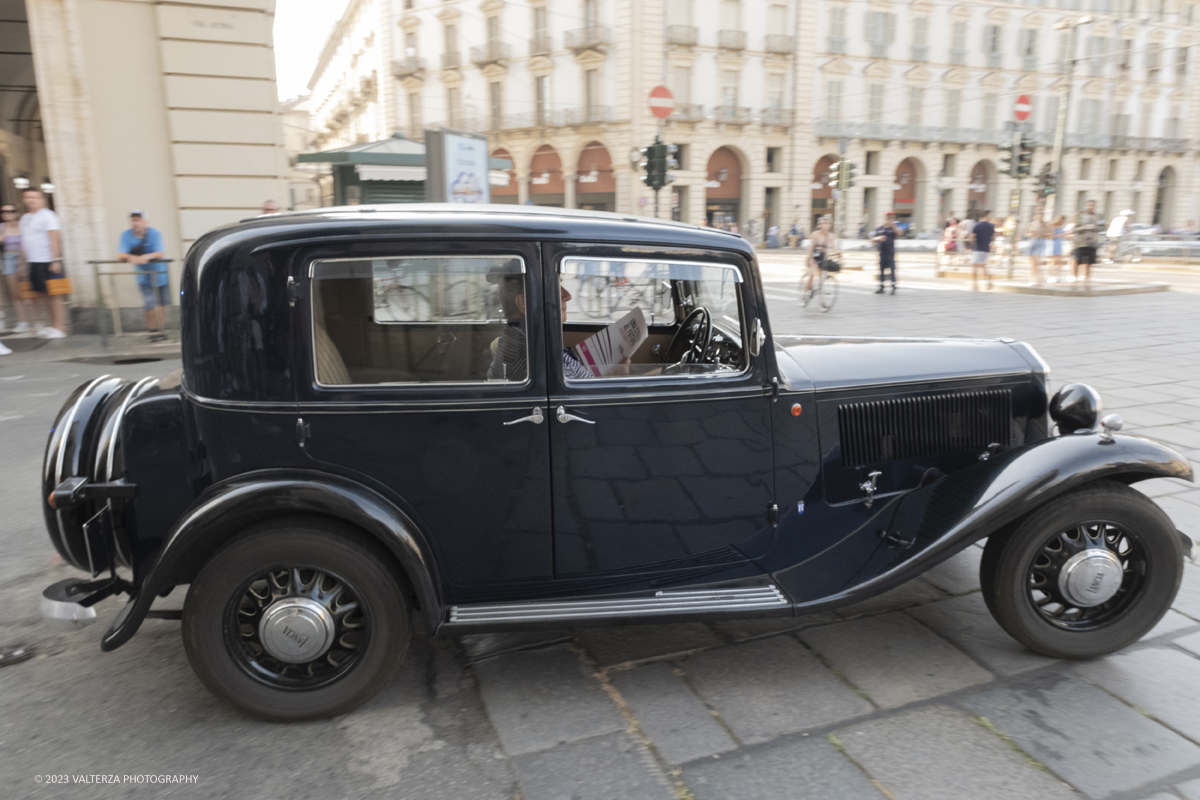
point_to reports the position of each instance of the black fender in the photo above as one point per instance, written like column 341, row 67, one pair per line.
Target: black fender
column 228, row 507
column 932, row 523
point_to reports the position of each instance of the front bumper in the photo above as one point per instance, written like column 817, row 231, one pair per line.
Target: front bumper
column 70, row 605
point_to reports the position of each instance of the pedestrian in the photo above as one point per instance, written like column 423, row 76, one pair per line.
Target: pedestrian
column 773, row 237
column 822, row 245
column 41, row 242
column 982, row 234
column 733, row 228
column 1057, row 233
column 1086, row 234
column 270, row 207
column 885, row 239
column 950, row 221
column 1118, row 231
column 795, row 237
column 1036, row 232
column 15, row 271
column 142, row 248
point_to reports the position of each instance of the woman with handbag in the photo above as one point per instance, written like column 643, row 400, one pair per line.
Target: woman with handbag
column 822, row 248
column 41, row 240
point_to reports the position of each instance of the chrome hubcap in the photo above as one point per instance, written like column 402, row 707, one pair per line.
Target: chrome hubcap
column 1091, row 577
column 296, row 630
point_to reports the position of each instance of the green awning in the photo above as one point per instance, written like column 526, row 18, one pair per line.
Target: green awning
column 397, row 150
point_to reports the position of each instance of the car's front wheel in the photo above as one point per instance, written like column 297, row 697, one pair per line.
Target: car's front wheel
column 1087, row 574
column 296, row 619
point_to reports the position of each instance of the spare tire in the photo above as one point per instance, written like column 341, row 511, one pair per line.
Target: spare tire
column 84, row 442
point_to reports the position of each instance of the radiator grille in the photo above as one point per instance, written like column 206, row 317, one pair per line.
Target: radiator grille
column 910, row 427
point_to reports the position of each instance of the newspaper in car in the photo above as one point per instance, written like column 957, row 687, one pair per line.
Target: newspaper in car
column 603, row 350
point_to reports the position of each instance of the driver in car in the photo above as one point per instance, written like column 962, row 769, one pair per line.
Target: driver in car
column 509, row 354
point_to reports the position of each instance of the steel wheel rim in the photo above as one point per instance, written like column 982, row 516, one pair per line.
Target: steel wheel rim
column 829, row 290
column 338, row 596
column 1042, row 577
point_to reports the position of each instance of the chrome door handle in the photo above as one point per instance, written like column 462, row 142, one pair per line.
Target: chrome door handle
column 563, row 416
column 536, row 418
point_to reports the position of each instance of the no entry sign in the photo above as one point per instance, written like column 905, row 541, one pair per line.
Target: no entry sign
column 662, row 102
column 1022, row 107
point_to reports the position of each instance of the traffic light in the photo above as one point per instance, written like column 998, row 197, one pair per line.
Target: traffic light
column 1051, row 186
column 1006, row 159
column 846, row 175
column 658, row 160
column 832, row 175
column 1025, row 158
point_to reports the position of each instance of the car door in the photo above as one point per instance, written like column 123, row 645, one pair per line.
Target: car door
column 656, row 472
column 425, row 381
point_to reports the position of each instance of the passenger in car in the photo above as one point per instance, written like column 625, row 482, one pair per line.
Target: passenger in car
column 510, row 357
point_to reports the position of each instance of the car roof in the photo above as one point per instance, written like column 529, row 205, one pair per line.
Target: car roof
column 472, row 221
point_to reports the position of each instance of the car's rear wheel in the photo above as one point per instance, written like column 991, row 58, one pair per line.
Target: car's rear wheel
column 296, row 619
column 1087, row 574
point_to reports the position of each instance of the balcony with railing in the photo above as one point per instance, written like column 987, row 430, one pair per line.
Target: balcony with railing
column 958, row 57
column 682, row 35
column 777, row 116
column 451, row 60
column 540, row 45
column 932, row 133
column 920, row 52
column 593, row 37
column 1029, row 62
column 731, row 40
column 687, row 112
column 995, row 60
column 836, row 45
column 408, row 67
column 491, row 53
column 779, row 44
column 587, row 115
column 732, row 115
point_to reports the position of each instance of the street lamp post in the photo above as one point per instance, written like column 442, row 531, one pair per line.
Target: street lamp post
column 1060, row 128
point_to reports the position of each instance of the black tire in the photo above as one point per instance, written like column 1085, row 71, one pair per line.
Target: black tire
column 1152, row 571
column 226, row 661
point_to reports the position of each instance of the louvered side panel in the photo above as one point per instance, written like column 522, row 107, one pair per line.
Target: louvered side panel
column 930, row 425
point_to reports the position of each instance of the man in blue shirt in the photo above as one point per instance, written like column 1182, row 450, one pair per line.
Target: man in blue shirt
column 981, row 247
column 141, row 247
column 884, row 238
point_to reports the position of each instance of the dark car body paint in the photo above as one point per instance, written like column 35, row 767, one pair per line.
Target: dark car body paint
column 247, row 433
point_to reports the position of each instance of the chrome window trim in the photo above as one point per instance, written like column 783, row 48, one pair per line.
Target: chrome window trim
column 741, row 335
column 312, row 265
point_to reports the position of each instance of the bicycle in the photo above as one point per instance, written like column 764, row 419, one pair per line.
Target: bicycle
column 825, row 288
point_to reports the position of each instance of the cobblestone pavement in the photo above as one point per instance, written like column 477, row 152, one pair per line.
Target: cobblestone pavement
column 916, row 694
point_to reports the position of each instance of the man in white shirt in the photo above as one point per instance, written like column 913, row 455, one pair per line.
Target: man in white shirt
column 41, row 240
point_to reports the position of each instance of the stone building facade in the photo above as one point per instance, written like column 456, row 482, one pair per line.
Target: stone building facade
column 769, row 92
column 169, row 107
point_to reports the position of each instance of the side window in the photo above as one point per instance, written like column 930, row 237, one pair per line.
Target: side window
column 419, row 320
column 631, row 318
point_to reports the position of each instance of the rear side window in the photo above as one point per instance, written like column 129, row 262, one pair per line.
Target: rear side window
column 419, row 320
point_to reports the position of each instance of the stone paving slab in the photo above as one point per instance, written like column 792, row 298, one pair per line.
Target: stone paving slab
column 611, row 646
column 940, row 753
column 809, row 768
column 1085, row 735
column 914, row 593
column 1188, row 599
column 1190, row 790
column 1171, row 623
column 967, row 623
column 673, row 717
column 1191, row 643
column 612, row 767
column 1161, row 680
column 740, row 630
column 894, row 659
column 770, row 687
column 957, row 575
column 541, row 698
column 478, row 646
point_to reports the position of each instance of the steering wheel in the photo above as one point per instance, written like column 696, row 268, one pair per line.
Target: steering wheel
column 691, row 341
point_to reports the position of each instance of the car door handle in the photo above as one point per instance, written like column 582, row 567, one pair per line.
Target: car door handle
column 536, row 418
column 563, row 416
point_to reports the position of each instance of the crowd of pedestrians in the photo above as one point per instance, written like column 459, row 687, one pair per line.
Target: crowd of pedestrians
column 35, row 279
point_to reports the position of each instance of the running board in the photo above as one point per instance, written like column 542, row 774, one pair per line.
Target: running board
column 685, row 601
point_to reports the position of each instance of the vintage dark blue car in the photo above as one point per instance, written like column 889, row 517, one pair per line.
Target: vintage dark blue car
column 385, row 410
